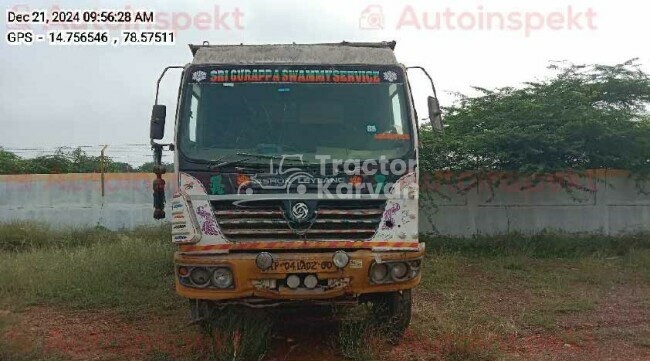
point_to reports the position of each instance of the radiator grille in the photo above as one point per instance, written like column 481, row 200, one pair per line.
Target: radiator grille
column 332, row 220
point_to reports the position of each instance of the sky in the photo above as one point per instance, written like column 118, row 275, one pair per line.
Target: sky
column 55, row 96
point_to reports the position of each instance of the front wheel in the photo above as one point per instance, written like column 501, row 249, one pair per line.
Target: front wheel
column 392, row 312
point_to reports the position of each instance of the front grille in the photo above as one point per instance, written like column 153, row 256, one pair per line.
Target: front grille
column 266, row 220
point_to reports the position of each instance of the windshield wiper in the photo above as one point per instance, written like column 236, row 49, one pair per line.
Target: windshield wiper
column 222, row 162
column 263, row 156
column 283, row 159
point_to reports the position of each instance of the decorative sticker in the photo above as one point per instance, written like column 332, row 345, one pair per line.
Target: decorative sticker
column 216, row 185
column 390, row 76
column 380, row 180
column 297, row 74
column 199, row 76
column 392, row 136
column 182, row 238
column 198, row 214
column 389, row 214
column 208, row 224
column 399, row 220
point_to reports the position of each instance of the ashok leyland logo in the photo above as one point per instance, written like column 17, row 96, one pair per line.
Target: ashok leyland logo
column 299, row 211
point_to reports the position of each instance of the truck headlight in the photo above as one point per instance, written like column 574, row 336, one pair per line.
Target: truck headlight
column 378, row 272
column 398, row 270
column 200, row 277
column 310, row 281
column 222, row 278
column 293, row 281
column 340, row 259
column 264, row 261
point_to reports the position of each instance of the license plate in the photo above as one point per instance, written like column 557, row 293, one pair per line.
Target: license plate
column 302, row 266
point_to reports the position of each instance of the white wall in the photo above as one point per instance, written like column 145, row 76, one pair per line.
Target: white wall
column 614, row 206
column 76, row 200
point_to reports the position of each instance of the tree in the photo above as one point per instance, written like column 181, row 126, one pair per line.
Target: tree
column 10, row 163
column 148, row 167
column 62, row 161
column 585, row 116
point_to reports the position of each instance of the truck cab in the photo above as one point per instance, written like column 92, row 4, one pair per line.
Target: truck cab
column 296, row 177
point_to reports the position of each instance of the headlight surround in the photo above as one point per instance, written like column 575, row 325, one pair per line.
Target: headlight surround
column 217, row 276
column 394, row 271
column 222, row 278
column 415, row 265
column 340, row 259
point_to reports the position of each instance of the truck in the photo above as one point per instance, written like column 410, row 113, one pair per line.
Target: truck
column 296, row 178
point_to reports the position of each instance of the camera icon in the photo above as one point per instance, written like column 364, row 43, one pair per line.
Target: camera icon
column 372, row 18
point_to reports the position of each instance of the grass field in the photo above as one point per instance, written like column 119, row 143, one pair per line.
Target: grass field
column 549, row 297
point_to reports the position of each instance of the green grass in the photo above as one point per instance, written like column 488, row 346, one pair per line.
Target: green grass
column 461, row 348
column 466, row 293
column 544, row 245
column 131, row 271
column 473, row 291
column 357, row 337
column 10, row 352
column 14, row 349
column 25, row 236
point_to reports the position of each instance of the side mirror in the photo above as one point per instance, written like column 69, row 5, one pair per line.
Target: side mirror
column 158, row 115
column 435, row 114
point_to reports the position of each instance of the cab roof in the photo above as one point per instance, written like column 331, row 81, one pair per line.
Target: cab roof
column 344, row 53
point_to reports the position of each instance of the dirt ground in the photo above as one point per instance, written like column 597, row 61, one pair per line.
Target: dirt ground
column 618, row 328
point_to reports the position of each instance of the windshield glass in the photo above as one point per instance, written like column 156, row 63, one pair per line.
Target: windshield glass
column 343, row 121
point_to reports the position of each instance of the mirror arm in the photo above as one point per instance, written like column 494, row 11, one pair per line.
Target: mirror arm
column 161, row 78
column 433, row 86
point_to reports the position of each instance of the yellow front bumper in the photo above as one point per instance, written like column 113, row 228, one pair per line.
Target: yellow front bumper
column 247, row 276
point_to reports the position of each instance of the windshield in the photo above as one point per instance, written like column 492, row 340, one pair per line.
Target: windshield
column 342, row 121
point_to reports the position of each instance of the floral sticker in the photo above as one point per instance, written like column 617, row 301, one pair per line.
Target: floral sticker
column 390, row 76
column 208, row 224
column 199, row 76
column 389, row 221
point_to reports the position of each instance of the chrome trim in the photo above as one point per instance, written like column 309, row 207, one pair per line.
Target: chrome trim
column 285, row 196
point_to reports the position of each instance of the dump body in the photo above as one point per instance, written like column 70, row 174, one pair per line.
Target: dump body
column 297, row 174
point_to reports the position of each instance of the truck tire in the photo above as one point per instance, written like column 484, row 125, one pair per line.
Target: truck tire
column 392, row 312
